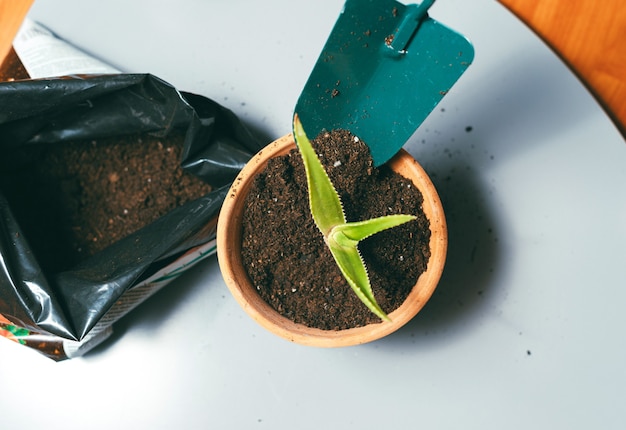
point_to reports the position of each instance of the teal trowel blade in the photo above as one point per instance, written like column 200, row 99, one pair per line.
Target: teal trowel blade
column 383, row 69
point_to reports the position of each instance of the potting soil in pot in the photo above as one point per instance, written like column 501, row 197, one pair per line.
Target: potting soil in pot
column 74, row 199
column 284, row 252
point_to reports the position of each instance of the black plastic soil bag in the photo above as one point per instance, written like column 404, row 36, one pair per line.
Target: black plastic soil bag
column 69, row 304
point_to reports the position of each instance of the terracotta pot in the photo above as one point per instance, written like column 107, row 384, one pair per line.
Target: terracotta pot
column 229, row 255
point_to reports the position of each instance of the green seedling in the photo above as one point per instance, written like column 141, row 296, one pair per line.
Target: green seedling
column 341, row 237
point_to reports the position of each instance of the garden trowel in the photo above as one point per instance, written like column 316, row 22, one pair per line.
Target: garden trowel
column 383, row 69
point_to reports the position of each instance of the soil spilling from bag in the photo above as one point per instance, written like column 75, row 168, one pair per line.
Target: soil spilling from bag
column 11, row 68
column 285, row 254
column 74, row 199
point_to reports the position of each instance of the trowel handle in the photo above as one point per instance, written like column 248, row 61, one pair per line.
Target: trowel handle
column 12, row 13
column 590, row 36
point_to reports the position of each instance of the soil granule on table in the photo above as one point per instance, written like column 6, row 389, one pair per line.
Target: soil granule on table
column 285, row 254
column 74, row 199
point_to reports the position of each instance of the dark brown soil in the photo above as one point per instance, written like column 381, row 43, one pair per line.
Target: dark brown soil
column 74, row 199
column 285, row 254
column 11, row 68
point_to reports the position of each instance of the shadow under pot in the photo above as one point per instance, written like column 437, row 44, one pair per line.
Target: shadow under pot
column 404, row 263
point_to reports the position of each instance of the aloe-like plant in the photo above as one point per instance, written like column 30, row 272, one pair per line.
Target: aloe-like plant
column 341, row 237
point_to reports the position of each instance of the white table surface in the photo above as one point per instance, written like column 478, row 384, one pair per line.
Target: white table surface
column 526, row 329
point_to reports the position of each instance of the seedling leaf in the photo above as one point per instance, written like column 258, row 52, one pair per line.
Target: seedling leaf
column 324, row 201
column 351, row 265
column 360, row 230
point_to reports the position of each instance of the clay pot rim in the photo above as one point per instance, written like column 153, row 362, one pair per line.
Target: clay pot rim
column 229, row 258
